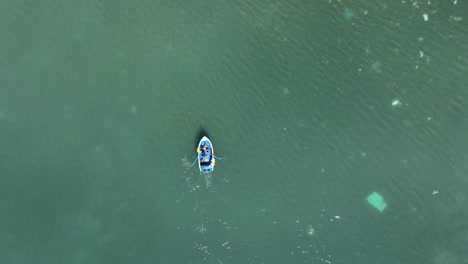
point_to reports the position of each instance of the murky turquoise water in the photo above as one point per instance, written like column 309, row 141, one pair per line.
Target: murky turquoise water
column 314, row 105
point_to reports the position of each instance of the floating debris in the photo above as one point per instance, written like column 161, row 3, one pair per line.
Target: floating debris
column 434, row 192
column 376, row 201
column 426, row 17
column 396, row 102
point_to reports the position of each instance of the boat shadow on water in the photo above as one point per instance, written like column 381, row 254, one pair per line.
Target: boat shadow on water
column 200, row 134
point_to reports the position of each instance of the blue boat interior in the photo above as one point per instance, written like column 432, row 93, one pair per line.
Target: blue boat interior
column 205, row 156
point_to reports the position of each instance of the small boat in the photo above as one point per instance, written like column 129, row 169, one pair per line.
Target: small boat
column 206, row 158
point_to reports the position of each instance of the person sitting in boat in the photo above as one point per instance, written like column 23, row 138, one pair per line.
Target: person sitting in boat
column 201, row 152
column 205, row 151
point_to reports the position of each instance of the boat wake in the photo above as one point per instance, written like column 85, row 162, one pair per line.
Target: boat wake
column 186, row 163
column 194, row 182
column 207, row 177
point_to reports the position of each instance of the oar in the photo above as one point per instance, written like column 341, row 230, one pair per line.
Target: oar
column 218, row 158
column 194, row 162
column 198, row 152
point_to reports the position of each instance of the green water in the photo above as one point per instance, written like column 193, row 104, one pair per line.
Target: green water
column 314, row 105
